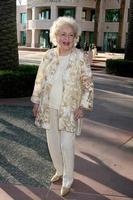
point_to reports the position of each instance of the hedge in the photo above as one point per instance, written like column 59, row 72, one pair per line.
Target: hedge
column 119, row 67
column 18, row 82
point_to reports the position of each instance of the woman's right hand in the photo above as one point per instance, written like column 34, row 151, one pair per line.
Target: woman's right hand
column 35, row 109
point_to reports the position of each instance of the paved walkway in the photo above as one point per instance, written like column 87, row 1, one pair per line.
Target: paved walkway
column 34, row 57
column 104, row 151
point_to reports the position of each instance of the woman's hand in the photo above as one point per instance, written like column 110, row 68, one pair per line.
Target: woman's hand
column 78, row 113
column 35, row 109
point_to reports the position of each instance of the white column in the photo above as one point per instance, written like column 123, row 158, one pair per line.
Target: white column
column 33, row 39
column 78, row 13
column 33, row 13
column 54, row 13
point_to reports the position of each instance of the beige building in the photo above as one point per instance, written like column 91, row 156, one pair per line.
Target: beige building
column 21, row 24
column 34, row 31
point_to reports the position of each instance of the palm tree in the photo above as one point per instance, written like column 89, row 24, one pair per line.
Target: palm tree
column 8, row 35
column 129, row 44
column 97, row 12
column 121, row 22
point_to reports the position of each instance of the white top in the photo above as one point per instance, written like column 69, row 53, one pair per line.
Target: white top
column 57, row 88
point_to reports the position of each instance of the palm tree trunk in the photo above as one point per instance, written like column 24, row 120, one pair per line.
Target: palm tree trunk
column 121, row 22
column 129, row 44
column 8, row 35
column 97, row 12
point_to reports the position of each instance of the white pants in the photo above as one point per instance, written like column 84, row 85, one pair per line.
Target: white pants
column 61, row 148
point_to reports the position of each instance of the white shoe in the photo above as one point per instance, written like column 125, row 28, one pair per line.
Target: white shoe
column 65, row 191
column 55, row 178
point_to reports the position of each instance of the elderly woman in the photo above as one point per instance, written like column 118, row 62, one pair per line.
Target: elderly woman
column 63, row 89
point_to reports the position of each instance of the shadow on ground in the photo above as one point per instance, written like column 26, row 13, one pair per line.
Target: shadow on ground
column 24, row 157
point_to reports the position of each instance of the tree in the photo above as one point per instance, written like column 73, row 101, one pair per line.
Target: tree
column 8, row 35
column 97, row 12
column 129, row 43
column 121, row 22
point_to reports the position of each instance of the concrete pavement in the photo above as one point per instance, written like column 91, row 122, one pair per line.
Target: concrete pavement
column 104, row 151
column 34, row 57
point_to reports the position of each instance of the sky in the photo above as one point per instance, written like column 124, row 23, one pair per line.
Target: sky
column 23, row 2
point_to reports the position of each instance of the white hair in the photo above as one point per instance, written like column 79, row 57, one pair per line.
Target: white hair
column 57, row 25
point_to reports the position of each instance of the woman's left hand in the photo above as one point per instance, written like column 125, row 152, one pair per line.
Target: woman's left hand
column 78, row 113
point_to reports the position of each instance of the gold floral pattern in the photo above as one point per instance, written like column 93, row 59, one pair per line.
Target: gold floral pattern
column 77, row 88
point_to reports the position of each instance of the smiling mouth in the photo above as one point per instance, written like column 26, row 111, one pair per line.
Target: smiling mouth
column 66, row 43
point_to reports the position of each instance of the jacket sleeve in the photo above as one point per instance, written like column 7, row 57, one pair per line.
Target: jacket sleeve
column 35, row 98
column 87, row 85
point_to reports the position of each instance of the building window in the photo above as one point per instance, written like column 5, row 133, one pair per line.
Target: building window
column 86, row 40
column 110, row 41
column 92, row 16
column 82, row 40
column 66, row 12
column 91, row 39
column 23, row 18
column 85, row 14
column 112, row 15
column 44, row 39
column 45, row 14
column 23, row 38
column 88, row 14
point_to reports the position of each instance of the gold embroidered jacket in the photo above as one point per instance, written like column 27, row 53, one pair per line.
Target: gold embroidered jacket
column 77, row 88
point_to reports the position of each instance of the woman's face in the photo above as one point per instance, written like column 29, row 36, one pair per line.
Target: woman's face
column 65, row 39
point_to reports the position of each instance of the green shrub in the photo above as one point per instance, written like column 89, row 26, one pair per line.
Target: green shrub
column 121, row 50
column 18, row 82
column 119, row 67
